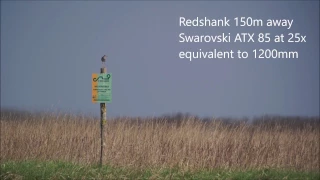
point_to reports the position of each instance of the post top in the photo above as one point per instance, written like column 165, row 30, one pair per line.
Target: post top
column 103, row 70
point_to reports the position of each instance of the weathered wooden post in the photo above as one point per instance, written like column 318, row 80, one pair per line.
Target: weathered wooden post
column 102, row 93
column 103, row 112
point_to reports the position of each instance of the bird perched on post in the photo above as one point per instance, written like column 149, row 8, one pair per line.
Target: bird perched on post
column 103, row 59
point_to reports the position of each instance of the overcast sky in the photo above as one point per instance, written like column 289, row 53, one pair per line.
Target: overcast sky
column 50, row 49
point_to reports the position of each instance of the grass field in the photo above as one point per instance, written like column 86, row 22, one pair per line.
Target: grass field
column 61, row 146
column 63, row 170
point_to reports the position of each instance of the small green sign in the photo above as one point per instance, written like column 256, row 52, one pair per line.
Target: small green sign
column 101, row 88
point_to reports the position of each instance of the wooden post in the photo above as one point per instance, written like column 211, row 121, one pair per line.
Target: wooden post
column 103, row 120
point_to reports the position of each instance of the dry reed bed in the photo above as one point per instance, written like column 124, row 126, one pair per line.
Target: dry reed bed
column 188, row 144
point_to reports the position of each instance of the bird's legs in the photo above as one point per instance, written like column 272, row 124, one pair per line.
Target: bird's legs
column 103, row 64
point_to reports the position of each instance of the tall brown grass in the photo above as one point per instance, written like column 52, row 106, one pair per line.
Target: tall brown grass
column 188, row 143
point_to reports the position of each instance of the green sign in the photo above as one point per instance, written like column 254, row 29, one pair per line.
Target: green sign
column 101, row 88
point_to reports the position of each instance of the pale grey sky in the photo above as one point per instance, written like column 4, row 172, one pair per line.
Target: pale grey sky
column 50, row 49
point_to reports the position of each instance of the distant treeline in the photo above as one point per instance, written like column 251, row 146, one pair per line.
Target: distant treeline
column 295, row 122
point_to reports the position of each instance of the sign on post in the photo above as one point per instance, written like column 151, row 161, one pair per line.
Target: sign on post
column 101, row 88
